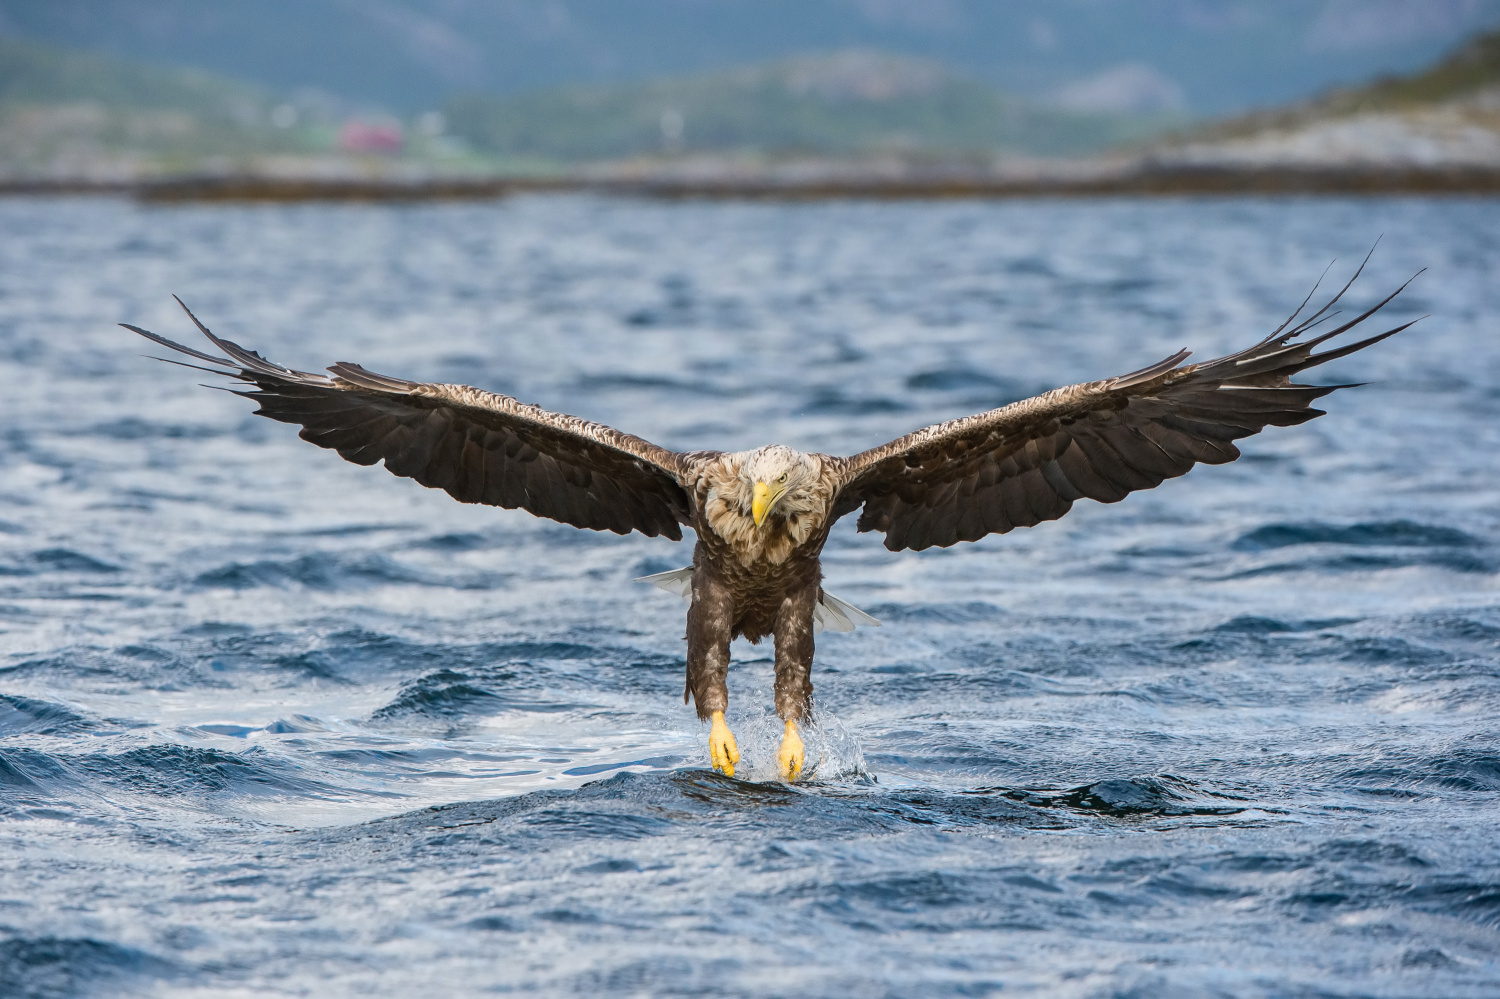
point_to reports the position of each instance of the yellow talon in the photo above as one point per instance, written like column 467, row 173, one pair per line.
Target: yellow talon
column 791, row 755
column 721, row 748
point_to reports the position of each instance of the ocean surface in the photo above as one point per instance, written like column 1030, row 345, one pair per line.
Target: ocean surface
column 272, row 724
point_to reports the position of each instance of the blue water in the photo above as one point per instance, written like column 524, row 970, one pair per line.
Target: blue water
column 273, row 724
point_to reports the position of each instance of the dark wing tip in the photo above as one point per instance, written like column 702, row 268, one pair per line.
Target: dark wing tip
column 180, row 348
column 362, row 377
column 243, row 358
column 1151, row 371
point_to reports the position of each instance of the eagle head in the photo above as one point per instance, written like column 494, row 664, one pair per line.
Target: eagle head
column 779, row 480
column 766, row 503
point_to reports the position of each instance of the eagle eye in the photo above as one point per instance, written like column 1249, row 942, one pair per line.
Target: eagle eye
column 783, row 477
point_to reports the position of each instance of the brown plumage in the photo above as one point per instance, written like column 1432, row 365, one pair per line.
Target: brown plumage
column 762, row 516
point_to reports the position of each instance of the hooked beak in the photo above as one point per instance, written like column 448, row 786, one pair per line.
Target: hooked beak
column 762, row 501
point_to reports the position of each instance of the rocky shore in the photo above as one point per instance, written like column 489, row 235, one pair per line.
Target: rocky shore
column 1143, row 176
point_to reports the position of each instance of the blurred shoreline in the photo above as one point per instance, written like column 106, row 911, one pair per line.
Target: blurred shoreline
column 850, row 124
column 811, row 180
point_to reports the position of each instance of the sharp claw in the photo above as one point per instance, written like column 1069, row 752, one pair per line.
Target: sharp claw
column 722, row 751
column 791, row 756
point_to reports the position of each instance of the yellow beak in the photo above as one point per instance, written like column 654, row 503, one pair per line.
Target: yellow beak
column 762, row 501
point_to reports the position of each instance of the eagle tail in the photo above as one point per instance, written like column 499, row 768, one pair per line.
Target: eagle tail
column 839, row 615
column 678, row 581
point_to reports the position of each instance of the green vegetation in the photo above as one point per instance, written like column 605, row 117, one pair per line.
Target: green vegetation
column 65, row 112
column 68, row 114
column 1471, row 70
column 848, row 103
column 36, row 74
column 1473, row 67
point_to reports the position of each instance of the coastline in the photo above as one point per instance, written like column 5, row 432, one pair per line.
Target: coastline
column 827, row 181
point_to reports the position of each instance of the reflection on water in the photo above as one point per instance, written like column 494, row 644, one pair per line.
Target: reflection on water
column 271, row 723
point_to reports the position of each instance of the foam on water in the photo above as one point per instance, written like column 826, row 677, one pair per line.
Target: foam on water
column 274, row 724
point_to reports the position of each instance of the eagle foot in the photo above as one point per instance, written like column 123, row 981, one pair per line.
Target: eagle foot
column 721, row 748
column 791, row 755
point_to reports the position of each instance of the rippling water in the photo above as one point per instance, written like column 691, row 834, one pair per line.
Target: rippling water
column 273, row 724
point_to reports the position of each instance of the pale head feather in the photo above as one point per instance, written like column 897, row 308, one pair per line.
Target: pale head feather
column 802, row 508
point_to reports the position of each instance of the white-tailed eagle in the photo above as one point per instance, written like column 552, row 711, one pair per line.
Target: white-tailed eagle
column 762, row 516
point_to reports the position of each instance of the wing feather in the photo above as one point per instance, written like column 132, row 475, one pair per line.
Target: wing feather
column 1032, row 460
column 479, row 447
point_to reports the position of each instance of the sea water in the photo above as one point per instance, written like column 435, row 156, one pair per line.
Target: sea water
column 276, row 724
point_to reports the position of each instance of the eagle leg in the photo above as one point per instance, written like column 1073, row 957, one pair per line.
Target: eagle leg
column 710, row 619
column 794, row 657
column 708, row 629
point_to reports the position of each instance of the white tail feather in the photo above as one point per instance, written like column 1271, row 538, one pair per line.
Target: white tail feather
column 840, row 615
column 829, row 613
column 678, row 581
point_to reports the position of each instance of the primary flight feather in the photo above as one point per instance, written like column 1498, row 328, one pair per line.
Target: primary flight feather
column 762, row 516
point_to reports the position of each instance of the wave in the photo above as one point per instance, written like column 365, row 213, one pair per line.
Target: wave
column 954, row 613
column 1249, row 624
column 345, row 657
column 1369, row 875
column 215, row 654
column 134, row 428
column 50, row 560
column 1461, row 770
column 1312, row 641
column 327, row 572
column 466, row 541
column 147, row 667
column 175, row 771
column 654, row 762
column 1385, row 533
column 1462, row 627
column 63, row 967
column 20, row 715
column 448, row 695
column 633, row 805
column 656, row 384
column 31, row 770
column 1461, row 896
column 443, row 694
column 976, row 387
column 161, row 771
column 1378, row 545
column 1163, row 795
column 1463, row 562
column 835, row 402
column 1385, row 650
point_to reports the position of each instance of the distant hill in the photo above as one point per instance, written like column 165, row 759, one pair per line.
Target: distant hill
column 37, row 74
column 1221, row 56
column 79, row 116
column 1461, row 77
column 1445, row 115
column 86, row 115
column 844, row 103
column 71, row 116
column 1473, row 68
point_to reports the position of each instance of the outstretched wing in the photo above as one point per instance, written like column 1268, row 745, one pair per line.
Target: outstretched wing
column 477, row 446
column 1028, row 462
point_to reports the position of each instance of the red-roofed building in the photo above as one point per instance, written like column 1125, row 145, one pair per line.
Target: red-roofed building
column 361, row 137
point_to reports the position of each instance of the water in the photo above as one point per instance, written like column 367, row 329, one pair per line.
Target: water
column 273, row 724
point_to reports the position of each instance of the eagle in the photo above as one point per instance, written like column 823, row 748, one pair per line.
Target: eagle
column 762, row 517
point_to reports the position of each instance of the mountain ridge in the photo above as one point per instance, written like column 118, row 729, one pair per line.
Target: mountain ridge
column 1447, row 114
column 851, row 102
column 411, row 55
